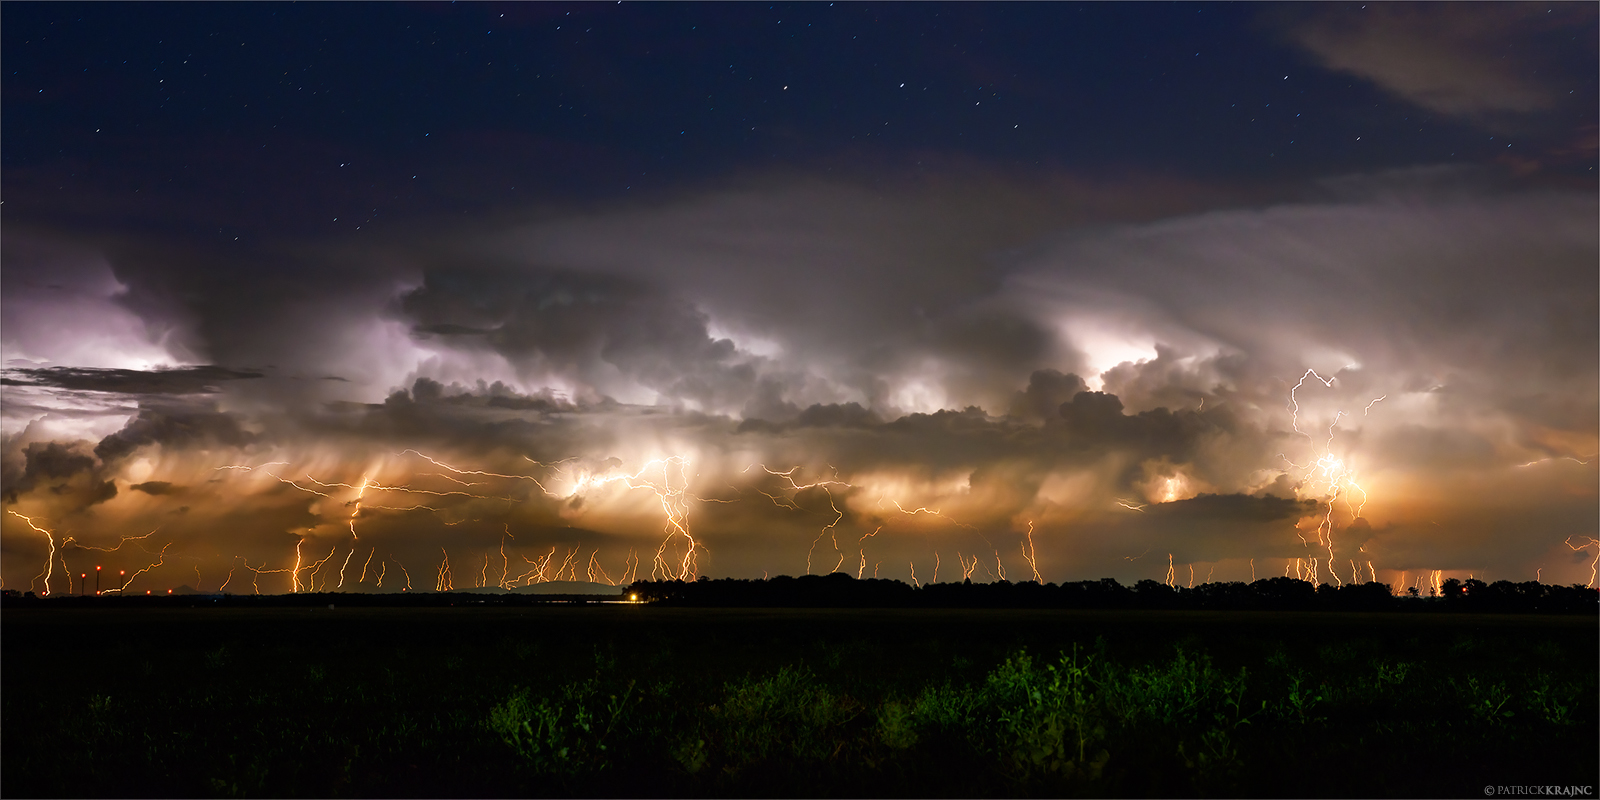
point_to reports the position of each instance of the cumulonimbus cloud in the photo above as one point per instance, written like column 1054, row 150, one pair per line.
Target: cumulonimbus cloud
column 1100, row 399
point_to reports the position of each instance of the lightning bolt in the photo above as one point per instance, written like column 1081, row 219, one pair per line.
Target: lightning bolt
column 49, row 561
column 161, row 560
column 1556, row 458
column 229, row 579
column 1028, row 553
column 788, row 496
column 443, row 584
column 1595, row 543
column 1336, row 479
column 863, row 550
column 505, row 563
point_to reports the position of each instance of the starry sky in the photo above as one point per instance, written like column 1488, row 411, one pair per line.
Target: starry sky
column 365, row 296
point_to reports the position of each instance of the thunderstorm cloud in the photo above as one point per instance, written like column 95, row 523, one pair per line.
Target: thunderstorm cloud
column 1123, row 390
column 921, row 358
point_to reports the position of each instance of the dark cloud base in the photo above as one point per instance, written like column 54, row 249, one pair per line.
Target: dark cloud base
column 175, row 380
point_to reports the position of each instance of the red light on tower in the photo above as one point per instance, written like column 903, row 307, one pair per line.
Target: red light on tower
column 83, row 578
column 97, row 580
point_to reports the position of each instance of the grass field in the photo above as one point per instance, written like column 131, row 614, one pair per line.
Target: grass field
column 647, row 701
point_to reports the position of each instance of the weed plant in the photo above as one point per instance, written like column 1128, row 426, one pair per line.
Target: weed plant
column 694, row 703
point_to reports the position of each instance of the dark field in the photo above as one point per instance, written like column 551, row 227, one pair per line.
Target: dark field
column 648, row 701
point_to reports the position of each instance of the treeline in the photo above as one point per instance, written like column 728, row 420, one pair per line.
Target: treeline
column 839, row 590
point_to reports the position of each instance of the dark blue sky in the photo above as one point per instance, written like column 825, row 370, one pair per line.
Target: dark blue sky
column 276, row 119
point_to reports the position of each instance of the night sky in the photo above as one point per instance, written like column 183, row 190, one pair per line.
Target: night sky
column 326, row 295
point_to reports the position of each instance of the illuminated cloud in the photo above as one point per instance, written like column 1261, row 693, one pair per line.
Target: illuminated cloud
column 63, row 306
column 1123, row 389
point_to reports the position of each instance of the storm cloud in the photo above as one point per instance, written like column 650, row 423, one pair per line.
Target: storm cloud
column 1020, row 365
column 1135, row 396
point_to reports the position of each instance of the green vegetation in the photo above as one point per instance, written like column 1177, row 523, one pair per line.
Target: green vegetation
column 648, row 702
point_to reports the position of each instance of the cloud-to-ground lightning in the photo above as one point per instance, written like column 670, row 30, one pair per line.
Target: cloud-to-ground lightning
column 1028, row 553
column 1595, row 563
column 1326, row 477
column 49, row 561
column 787, row 497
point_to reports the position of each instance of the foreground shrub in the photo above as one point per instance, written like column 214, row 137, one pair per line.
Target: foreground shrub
column 1080, row 724
column 786, row 716
column 565, row 735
